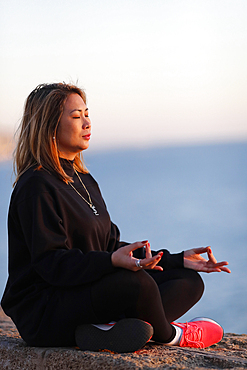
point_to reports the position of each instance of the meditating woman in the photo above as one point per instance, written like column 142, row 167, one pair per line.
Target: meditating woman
column 69, row 273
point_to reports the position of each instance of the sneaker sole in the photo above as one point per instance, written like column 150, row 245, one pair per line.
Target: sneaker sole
column 127, row 335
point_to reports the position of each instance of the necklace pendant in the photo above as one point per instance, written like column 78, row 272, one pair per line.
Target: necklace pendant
column 94, row 210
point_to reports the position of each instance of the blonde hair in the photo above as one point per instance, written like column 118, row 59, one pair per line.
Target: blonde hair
column 42, row 113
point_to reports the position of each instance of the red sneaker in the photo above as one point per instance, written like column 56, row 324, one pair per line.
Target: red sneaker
column 200, row 332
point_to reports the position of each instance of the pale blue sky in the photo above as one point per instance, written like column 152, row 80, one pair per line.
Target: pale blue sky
column 155, row 72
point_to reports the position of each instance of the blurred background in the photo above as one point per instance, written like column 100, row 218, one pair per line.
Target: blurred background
column 155, row 71
column 166, row 87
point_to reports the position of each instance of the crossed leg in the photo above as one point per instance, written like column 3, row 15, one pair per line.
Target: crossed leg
column 158, row 297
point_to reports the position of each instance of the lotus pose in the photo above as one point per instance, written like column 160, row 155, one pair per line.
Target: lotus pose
column 69, row 273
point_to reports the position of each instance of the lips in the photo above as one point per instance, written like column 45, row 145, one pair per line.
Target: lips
column 86, row 137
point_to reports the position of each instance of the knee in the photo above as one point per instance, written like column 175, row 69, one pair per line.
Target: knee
column 199, row 282
column 139, row 282
column 196, row 282
column 146, row 284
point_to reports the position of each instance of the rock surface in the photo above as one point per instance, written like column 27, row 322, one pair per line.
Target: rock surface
column 230, row 353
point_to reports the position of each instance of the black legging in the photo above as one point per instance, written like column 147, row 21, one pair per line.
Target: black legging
column 158, row 297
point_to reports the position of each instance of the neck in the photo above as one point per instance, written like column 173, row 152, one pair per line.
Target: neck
column 67, row 165
column 68, row 157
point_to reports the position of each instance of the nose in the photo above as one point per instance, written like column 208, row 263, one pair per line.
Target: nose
column 86, row 123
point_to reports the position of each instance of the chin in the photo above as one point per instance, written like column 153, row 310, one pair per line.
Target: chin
column 84, row 147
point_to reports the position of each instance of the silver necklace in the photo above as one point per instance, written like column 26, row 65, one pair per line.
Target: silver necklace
column 90, row 203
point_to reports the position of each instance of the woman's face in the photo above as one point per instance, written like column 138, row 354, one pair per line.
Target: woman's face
column 74, row 129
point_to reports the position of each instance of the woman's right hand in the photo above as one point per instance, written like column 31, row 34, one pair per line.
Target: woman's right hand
column 123, row 257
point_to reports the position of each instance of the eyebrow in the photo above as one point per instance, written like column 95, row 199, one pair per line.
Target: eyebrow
column 79, row 110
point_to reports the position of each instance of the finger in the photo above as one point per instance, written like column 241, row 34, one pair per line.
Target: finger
column 158, row 268
column 147, row 262
column 222, row 267
column 225, row 269
column 211, row 256
column 153, row 266
column 220, row 264
column 132, row 247
column 200, row 250
column 148, row 251
column 208, row 270
column 218, row 267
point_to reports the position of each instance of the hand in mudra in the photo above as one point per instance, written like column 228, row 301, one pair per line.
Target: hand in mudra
column 123, row 257
column 193, row 260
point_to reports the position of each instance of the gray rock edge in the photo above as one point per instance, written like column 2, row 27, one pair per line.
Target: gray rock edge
column 230, row 353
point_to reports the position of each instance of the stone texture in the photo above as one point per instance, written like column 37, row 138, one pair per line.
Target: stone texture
column 230, row 353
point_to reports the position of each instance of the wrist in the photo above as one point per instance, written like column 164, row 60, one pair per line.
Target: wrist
column 113, row 259
column 187, row 263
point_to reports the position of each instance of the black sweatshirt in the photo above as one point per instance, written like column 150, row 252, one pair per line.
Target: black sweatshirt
column 55, row 239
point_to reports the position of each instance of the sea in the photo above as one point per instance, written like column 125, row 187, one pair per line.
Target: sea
column 177, row 197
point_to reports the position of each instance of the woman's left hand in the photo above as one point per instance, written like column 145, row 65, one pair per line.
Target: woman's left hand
column 193, row 260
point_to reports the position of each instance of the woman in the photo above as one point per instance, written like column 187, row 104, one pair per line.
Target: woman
column 67, row 268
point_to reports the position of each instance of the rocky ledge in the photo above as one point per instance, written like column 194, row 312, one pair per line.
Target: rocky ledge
column 230, row 353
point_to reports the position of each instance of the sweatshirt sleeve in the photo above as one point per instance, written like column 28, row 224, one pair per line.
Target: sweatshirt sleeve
column 168, row 260
column 41, row 230
column 114, row 242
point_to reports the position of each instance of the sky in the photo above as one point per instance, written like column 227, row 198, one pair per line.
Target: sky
column 155, row 71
